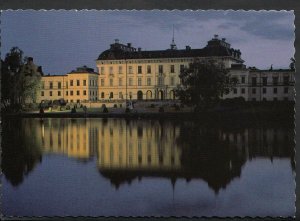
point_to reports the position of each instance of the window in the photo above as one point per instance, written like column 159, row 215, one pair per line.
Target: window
column 275, row 80
column 160, row 69
column 50, row 93
column 286, row 98
column 264, row 81
column 253, row 99
column 90, row 82
column 234, row 90
column 253, row 90
column 148, row 69
column 102, row 70
column 172, row 81
column 172, row 68
column 254, row 81
column 243, row 90
column 67, row 93
column 139, row 81
column 120, row 82
column 264, row 99
column 58, row 93
column 130, row 82
column 102, row 82
column 42, row 93
column 111, row 95
column 139, row 69
column 181, row 67
column 160, row 81
column 286, row 90
column 130, row 69
column 43, row 85
column 148, row 81
column 102, row 94
column 275, row 90
column 78, row 92
column 84, row 92
column 275, row 99
column 111, row 82
column 78, row 82
column 59, row 85
column 71, row 93
column 84, row 82
column 286, row 80
column 120, row 69
column 111, row 70
column 71, row 82
column 51, row 85
column 120, row 95
column 130, row 95
column 243, row 80
column 264, row 90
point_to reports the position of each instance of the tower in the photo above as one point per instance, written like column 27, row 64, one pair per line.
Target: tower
column 173, row 45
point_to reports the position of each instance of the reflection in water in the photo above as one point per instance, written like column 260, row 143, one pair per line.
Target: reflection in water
column 130, row 149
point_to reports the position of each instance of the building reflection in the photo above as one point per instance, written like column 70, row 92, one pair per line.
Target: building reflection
column 133, row 149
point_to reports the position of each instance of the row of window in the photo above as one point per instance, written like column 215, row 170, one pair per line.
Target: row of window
column 264, row 90
column 59, row 84
column 139, row 81
column 92, row 93
column 274, row 99
column 275, row 80
column 139, row 70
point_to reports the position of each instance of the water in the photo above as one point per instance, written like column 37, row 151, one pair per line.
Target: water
column 118, row 167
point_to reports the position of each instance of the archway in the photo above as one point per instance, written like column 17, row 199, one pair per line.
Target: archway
column 148, row 95
column 172, row 95
column 160, row 95
column 140, row 95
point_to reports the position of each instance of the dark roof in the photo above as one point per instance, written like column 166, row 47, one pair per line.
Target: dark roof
column 211, row 50
column 271, row 70
column 83, row 69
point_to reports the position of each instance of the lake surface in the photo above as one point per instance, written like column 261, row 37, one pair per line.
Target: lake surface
column 118, row 167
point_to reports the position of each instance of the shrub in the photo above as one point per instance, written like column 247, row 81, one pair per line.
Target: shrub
column 176, row 106
column 152, row 105
column 182, row 105
column 68, row 107
column 161, row 109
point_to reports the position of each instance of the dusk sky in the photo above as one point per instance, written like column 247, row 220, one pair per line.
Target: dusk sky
column 62, row 40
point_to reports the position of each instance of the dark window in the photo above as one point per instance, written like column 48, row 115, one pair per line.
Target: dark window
column 71, row 93
column 84, row 82
column 160, row 69
column 58, row 93
column 264, row 99
column 243, row 90
column 149, row 69
column 77, row 92
column 286, row 90
column 139, row 69
column 50, row 93
column 275, row 90
column 264, row 81
column 235, row 91
column 67, row 93
column 253, row 90
column 243, row 80
column 275, row 80
column 172, row 69
column 264, row 90
column 102, row 95
column 78, row 83
column 181, row 67
column 286, row 98
column 42, row 93
column 275, row 99
column 71, row 82
column 254, row 81
column 84, row 92
column 111, row 95
column 59, row 85
column 253, row 99
column 286, row 80
column 50, row 84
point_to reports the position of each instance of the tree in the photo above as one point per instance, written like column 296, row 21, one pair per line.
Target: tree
column 20, row 80
column 203, row 83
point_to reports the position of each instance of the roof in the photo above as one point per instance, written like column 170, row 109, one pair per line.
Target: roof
column 83, row 70
column 271, row 70
column 217, row 49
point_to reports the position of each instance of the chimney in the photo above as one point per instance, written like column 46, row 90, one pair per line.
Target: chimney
column 139, row 49
column 223, row 39
column 187, row 47
column 216, row 36
column 128, row 45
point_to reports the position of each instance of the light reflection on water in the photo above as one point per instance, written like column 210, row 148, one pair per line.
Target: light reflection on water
column 146, row 167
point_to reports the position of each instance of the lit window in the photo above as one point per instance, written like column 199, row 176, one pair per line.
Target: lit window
column 148, row 81
column 111, row 70
column 130, row 82
column 111, row 82
column 120, row 69
column 102, row 82
column 172, row 81
column 139, row 81
column 130, row 69
column 102, row 70
column 120, row 82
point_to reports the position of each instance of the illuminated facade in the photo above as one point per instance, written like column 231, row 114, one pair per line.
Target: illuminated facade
column 127, row 73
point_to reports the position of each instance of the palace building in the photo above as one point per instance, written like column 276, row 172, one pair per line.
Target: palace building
column 128, row 73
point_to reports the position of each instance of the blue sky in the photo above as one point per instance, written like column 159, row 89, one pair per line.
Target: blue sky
column 62, row 40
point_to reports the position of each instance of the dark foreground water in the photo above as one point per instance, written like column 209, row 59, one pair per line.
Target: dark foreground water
column 113, row 167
